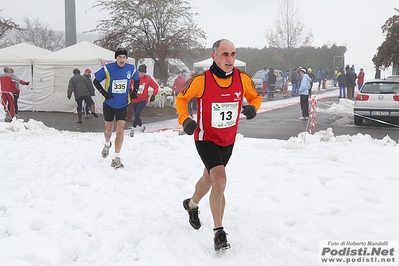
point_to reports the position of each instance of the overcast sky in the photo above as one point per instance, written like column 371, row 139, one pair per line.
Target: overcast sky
column 355, row 23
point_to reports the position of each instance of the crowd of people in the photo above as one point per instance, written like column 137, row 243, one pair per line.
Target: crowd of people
column 347, row 80
column 302, row 80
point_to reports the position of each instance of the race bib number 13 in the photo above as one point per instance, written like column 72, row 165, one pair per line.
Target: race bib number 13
column 224, row 114
column 119, row 86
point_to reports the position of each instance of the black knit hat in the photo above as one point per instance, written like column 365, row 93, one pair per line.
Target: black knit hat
column 120, row 51
column 143, row 68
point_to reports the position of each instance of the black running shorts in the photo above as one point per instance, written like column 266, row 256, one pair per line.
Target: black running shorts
column 213, row 155
column 110, row 113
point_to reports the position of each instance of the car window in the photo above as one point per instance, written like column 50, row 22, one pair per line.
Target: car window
column 257, row 75
column 371, row 88
column 380, row 88
column 395, row 89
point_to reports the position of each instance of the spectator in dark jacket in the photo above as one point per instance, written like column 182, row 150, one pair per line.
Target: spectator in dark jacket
column 294, row 82
column 80, row 86
column 271, row 84
column 87, row 75
column 341, row 77
column 350, row 82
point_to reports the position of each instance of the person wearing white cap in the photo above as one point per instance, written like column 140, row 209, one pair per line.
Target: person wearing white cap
column 304, row 94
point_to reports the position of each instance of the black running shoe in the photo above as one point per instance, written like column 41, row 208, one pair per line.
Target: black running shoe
column 220, row 240
column 192, row 214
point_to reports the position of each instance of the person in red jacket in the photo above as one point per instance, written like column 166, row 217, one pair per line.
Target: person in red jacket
column 142, row 97
column 8, row 89
column 178, row 85
column 360, row 79
column 16, row 94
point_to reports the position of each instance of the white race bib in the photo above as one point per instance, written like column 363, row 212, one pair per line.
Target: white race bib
column 141, row 89
column 224, row 114
column 119, row 86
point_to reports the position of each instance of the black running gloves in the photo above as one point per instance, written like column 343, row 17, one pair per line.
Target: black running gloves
column 249, row 111
column 100, row 88
column 189, row 126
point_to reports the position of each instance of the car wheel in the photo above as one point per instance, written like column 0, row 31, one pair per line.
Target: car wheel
column 358, row 121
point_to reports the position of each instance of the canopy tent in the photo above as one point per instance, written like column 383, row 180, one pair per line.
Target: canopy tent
column 11, row 59
column 20, row 57
column 51, row 74
column 174, row 66
column 26, row 50
column 206, row 64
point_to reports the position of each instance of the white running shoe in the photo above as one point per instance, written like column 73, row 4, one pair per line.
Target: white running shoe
column 116, row 163
column 105, row 151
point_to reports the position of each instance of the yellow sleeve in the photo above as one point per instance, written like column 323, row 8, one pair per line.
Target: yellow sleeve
column 194, row 88
column 250, row 92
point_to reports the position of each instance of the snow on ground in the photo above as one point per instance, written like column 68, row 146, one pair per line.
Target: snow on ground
column 62, row 204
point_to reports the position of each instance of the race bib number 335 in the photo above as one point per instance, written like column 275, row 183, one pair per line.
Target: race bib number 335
column 224, row 114
column 119, row 86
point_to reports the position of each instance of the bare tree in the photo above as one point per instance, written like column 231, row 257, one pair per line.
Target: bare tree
column 157, row 29
column 289, row 30
column 6, row 26
column 40, row 35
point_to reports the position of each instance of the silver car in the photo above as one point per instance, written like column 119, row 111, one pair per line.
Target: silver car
column 257, row 79
column 378, row 99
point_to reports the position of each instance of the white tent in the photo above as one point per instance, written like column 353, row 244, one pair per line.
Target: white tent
column 206, row 64
column 20, row 58
column 51, row 74
column 174, row 65
column 12, row 59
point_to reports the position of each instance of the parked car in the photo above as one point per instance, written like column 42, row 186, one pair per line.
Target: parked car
column 377, row 99
column 257, row 79
column 393, row 77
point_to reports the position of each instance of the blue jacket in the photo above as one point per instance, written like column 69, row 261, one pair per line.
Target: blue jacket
column 264, row 76
column 305, row 85
column 117, row 82
column 342, row 80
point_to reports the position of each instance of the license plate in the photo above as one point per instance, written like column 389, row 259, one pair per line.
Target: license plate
column 380, row 113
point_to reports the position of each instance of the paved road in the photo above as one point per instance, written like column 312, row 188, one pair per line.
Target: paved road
column 283, row 123
column 68, row 121
column 280, row 123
